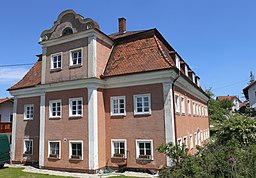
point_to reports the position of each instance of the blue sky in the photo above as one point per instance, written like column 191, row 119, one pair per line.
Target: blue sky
column 216, row 38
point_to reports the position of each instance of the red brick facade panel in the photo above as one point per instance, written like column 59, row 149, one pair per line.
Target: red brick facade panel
column 67, row 129
column 67, row 72
column 132, row 127
column 27, row 130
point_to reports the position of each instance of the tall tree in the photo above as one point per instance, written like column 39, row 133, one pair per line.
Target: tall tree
column 251, row 78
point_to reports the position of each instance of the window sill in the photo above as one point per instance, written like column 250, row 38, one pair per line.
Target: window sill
column 122, row 158
column 55, row 70
column 75, row 159
column 53, row 158
column 177, row 113
column 27, row 119
column 120, row 115
column 75, row 66
column 142, row 114
column 54, row 118
column 183, row 114
column 75, row 117
column 144, row 159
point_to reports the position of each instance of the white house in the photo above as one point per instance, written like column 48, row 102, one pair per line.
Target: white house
column 250, row 94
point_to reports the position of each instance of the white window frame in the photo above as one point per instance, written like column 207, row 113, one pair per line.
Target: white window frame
column 177, row 61
column 177, row 103
column 70, row 107
column 195, row 137
column 197, row 113
column 52, row 57
column 71, row 57
column 189, row 106
column 179, row 142
column 191, row 141
column 185, row 141
column 25, row 111
column 194, row 108
column 50, row 108
column 143, row 107
column 182, row 104
column 202, row 108
column 70, row 148
column 49, row 148
column 112, row 105
column 24, row 146
column 113, row 148
column 144, row 141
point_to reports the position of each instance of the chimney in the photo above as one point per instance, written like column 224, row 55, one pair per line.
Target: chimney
column 122, row 25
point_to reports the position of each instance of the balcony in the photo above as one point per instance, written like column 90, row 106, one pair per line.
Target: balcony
column 5, row 127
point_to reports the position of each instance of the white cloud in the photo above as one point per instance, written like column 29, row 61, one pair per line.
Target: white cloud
column 13, row 74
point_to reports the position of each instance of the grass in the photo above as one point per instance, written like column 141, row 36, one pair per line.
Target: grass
column 18, row 173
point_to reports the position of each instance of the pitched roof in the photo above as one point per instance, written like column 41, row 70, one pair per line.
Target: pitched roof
column 245, row 90
column 120, row 35
column 141, row 52
column 2, row 100
column 230, row 98
column 32, row 78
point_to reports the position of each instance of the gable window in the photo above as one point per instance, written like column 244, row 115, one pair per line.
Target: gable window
column 76, row 57
column 28, row 146
column 118, row 148
column 177, row 104
column 28, row 112
column 55, row 108
column 142, row 104
column 56, row 61
column 117, row 105
column 189, row 107
column 182, row 100
column 75, row 107
column 67, row 31
column 144, row 149
column 191, row 141
column 76, row 150
column 54, row 149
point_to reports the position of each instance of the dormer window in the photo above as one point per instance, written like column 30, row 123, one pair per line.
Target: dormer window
column 177, row 61
column 67, row 31
column 186, row 70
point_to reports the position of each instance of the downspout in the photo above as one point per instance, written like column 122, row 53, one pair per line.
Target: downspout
column 174, row 113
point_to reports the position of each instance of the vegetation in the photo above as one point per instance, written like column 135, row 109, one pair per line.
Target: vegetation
column 232, row 153
column 18, row 173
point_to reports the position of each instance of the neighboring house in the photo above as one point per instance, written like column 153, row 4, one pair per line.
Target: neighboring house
column 6, row 116
column 94, row 100
column 236, row 101
column 250, row 94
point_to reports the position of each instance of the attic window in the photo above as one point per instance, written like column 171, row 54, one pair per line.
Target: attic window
column 67, row 31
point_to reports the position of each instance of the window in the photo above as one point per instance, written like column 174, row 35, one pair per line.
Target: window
column 28, row 146
column 186, row 69
column 177, row 61
column 56, row 61
column 194, row 109
column 182, row 105
column 117, row 105
column 54, row 149
column 189, row 107
column 195, row 135
column 55, row 109
column 76, row 150
column 75, row 107
column 76, row 57
column 179, row 142
column 185, row 140
column 118, row 148
column 177, row 104
column 197, row 109
column 206, row 111
column 191, row 141
column 28, row 112
column 202, row 111
column 11, row 118
column 142, row 104
column 144, row 149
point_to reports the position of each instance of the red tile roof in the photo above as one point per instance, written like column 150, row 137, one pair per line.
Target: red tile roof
column 32, row 78
column 2, row 100
column 140, row 52
column 120, row 35
column 230, row 98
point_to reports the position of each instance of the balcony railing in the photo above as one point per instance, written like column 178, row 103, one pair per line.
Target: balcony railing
column 5, row 127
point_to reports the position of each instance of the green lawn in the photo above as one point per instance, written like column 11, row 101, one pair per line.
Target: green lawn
column 18, row 173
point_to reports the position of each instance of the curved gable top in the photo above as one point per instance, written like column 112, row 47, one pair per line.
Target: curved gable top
column 68, row 19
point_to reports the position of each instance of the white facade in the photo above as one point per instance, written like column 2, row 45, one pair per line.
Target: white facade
column 6, row 109
column 236, row 105
column 252, row 96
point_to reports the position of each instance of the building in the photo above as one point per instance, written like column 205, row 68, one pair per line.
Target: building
column 6, row 116
column 250, row 95
column 94, row 100
column 236, row 101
